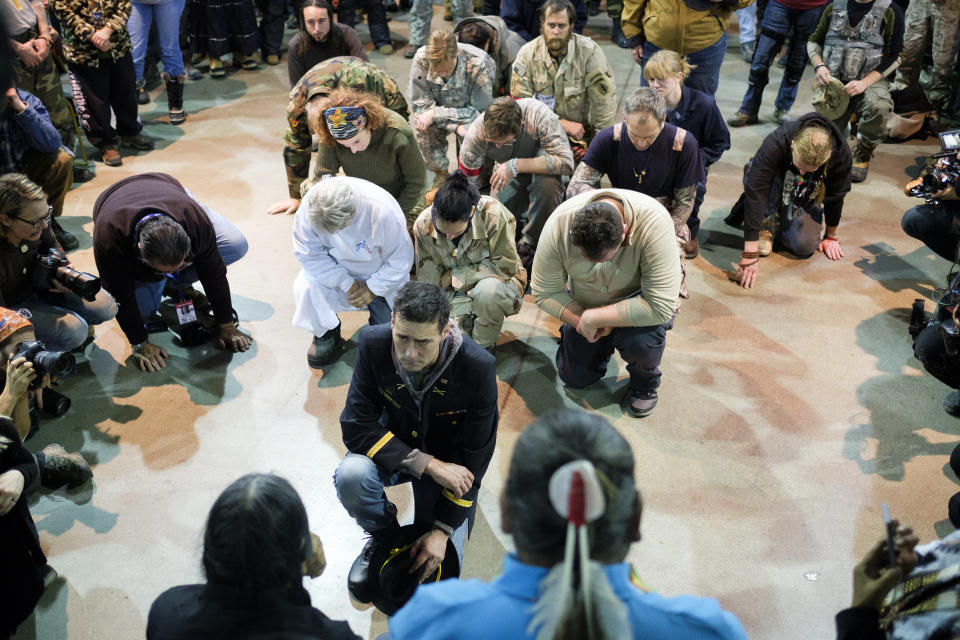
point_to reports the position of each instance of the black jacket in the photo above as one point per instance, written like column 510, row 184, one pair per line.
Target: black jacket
column 771, row 162
column 205, row 611
column 456, row 421
column 21, row 558
column 115, row 217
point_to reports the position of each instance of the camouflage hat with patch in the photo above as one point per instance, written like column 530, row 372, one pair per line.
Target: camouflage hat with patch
column 830, row 101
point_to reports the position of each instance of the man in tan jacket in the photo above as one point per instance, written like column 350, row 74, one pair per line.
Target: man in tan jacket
column 608, row 267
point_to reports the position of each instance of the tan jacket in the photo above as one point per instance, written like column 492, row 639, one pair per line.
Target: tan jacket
column 647, row 261
column 579, row 88
column 671, row 24
column 487, row 250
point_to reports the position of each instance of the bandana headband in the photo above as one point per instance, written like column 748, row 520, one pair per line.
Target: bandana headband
column 345, row 122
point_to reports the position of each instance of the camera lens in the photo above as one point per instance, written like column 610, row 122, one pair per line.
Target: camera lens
column 56, row 363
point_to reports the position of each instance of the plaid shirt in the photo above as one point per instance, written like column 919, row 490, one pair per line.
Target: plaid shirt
column 19, row 132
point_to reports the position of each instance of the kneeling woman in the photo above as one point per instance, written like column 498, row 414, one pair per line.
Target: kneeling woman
column 367, row 140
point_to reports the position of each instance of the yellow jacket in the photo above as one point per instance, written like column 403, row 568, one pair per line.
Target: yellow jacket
column 672, row 24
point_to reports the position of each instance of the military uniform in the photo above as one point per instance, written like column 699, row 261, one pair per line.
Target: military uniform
column 540, row 135
column 852, row 52
column 579, row 87
column 922, row 17
column 343, row 71
column 486, row 277
column 422, row 13
column 504, row 45
column 456, row 100
column 43, row 80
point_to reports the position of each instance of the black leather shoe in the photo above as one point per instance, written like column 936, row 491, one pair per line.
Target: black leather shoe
column 325, row 349
column 358, row 580
column 66, row 239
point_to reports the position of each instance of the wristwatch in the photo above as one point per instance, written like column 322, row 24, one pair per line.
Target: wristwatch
column 137, row 347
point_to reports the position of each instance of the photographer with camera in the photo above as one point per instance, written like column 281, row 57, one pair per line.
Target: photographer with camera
column 151, row 235
column 36, row 277
column 936, row 223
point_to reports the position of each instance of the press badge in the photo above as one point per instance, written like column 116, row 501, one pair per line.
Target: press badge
column 549, row 100
column 185, row 312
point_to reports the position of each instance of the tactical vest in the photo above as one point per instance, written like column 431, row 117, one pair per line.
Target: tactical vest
column 850, row 53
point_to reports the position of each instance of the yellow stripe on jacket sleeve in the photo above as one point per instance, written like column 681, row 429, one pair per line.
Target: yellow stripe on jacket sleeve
column 379, row 445
column 455, row 500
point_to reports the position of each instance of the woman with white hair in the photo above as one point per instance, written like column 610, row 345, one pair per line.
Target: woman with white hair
column 350, row 237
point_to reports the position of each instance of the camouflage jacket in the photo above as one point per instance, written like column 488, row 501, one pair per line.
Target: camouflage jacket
column 579, row 88
column 319, row 81
column 540, row 135
column 505, row 45
column 487, row 250
column 458, row 99
column 80, row 19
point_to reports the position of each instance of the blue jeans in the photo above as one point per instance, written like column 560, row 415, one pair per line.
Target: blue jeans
column 360, row 482
column 936, row 226
column 706, row 74
column 581, row 363
column 231, row 244
column 747, row 17
column 777, row 21
column 167, row 17
column 61, row 320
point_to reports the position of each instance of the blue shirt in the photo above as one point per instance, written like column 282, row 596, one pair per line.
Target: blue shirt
column 19, row 132
column 475, row 610
column 698, row 114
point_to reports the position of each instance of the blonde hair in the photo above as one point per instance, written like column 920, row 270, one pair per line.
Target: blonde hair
column 665, row 63
column 344, row 97
column 441, row 48
column 813, row 145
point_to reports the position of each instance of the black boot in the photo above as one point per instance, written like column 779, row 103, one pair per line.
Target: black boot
column 358, row 580
column 142, row 96
column 175, row 97
column 66, row 239
column 58, row 467
column 325, row 349
column 616, row 35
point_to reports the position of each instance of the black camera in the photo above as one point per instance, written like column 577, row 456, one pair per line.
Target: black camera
column 56, row 363
column 52, row 266
column 944, row 173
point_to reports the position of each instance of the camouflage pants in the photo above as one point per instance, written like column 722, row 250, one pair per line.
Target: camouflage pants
column 614, row 7
column 433, row 145
column 939, row 22
column 53, row 172
column 43, row 81
column 481, row 310
column 873, row 107
column 422, row 13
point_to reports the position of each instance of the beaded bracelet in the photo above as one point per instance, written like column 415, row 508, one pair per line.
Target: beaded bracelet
column 750, row 254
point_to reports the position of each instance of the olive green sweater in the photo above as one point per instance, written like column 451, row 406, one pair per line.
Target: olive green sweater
column 392, row 161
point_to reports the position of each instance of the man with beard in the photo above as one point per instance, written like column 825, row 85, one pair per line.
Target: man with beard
column 318, row 39
column 568, row 73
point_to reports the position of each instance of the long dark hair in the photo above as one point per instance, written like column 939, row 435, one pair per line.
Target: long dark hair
column 334, row 38
column 257, row 535
column 456, row 197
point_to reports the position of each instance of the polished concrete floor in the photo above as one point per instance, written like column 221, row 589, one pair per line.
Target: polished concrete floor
column 787, row 414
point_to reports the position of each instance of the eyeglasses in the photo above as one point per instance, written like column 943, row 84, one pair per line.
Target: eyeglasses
column 42, row 222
